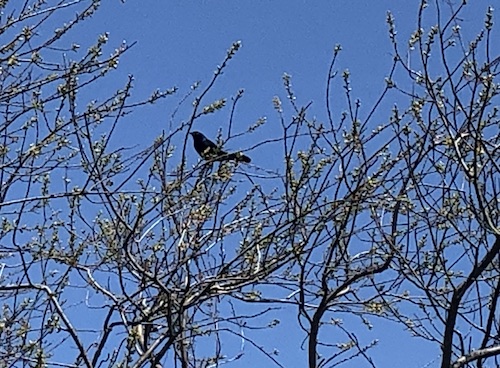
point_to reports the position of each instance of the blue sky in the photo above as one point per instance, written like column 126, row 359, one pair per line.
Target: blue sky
column 180, row 42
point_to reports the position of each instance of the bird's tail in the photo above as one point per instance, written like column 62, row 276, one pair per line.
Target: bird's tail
column 238, row 156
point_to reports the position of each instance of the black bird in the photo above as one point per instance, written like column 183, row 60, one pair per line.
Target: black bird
column 209, row 151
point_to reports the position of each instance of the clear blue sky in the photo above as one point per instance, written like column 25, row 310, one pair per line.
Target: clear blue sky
column 180, row 42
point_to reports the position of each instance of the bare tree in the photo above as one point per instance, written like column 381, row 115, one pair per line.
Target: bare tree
column 451, row 247
column 131, row 257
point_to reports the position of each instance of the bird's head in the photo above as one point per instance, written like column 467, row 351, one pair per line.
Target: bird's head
column 196, row 134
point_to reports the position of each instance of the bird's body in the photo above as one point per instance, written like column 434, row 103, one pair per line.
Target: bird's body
column 209, row 151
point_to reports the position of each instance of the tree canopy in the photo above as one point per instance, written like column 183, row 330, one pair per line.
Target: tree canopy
column 390, row 214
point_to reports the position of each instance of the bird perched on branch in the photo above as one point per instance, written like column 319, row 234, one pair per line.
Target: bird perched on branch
column 209, row 151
